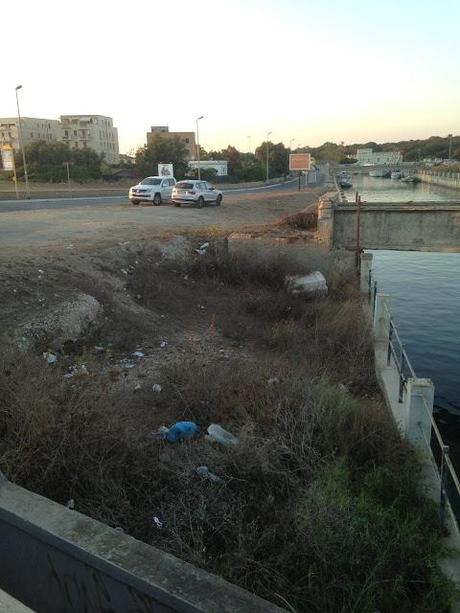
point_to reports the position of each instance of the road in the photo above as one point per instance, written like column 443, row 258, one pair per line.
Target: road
column 61, row 223
column 96, row 201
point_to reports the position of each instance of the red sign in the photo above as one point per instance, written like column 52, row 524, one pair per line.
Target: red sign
column 299, row 161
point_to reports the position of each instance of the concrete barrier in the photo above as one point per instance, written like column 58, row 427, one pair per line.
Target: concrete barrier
column 442, row 178
column 55, row 560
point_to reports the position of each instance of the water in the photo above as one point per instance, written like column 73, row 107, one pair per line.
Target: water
column 389, row 190
column 425, row 291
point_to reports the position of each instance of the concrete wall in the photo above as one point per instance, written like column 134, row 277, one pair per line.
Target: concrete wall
column 443, row 178
column 55, row 560
column 419, row 227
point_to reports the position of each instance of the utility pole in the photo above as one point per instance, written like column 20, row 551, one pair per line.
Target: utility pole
column 26, row 177
column 450, row 146
column 198, row 144
column 268, row 152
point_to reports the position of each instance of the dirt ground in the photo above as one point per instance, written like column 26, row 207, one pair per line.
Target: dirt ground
column 72, row 229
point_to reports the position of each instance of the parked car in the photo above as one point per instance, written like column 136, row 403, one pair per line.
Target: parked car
column 152, row 189
column 195, row 192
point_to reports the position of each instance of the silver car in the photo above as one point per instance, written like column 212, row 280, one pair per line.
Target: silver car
column 195, row 192
column 152, row 189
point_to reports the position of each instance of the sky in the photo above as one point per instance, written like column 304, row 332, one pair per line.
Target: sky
column 308, row 72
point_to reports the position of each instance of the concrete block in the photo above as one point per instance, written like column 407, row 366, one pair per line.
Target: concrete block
column 57, row 560
column 313, row 284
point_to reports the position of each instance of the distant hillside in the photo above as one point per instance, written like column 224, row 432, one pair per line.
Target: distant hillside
column 412, row 150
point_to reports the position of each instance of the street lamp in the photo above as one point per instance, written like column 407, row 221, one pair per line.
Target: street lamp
column 249, row 144
column 26, row 177
column 268, row 150
column 290, row 143
column 198, row 144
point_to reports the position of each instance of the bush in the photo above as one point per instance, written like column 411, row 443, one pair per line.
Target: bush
column 318, row 507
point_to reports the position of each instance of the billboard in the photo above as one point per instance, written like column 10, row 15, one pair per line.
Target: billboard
column 8, row 158
column 165, row 170
column 299, row 161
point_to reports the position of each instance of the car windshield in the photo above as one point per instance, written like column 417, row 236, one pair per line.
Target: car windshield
column 150, row 181
column 184, row 185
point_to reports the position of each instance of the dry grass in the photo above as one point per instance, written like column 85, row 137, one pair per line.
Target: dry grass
column 318, row 506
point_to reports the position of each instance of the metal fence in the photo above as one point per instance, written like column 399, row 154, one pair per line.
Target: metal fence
column 438, row 451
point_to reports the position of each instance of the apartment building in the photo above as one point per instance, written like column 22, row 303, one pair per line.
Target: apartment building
column 33, row 129
column 188, row 138
column 369, row 156
column 95, row 132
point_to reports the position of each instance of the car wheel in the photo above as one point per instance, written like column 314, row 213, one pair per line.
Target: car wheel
column 200, row 202
column 135, row 201
column 219, row 200
column 177, row 204
column 157, row 199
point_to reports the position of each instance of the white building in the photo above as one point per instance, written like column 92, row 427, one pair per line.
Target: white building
column 77, row 131
column 220, row 166
column 94, row 132
column 369, row 156
column 33, row 129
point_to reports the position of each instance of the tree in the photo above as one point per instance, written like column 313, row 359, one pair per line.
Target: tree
column 47, row 162
column 233, row 157
column 278, row 158
column 162, row 150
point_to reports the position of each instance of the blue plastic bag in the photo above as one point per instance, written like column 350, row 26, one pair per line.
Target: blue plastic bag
column 181, row 431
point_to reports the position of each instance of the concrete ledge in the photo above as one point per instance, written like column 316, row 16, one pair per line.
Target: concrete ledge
column 57, row 560
column 11, row 605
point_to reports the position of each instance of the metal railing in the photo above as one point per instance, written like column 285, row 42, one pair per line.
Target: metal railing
column 439, row 452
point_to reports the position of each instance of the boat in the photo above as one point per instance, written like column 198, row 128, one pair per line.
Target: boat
column 344, row 180
column 381, row 172
column 410, row 179
column 396, row 174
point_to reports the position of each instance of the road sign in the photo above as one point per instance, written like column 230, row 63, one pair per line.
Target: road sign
column 299, row 161
column 8, row 158
column 165, row 170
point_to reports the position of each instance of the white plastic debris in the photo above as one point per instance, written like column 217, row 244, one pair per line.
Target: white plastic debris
column 77, row 369
column 157, row 522
column 127, row 363
column 204, row 472
column 217, row 434
column 313, row 284
column 273, row 381
column 99, row 349
column 42, row 272
column 202, row 249
column 138, row 354
column 156, row 387
column 51, row 358
column 137, row 387
column 70, row 504
column 163, row 344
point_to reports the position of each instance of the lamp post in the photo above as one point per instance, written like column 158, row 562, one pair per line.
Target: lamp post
column 290, row 143
column 268, row 151
column 26, row 177
column 249, row 144
column 198, row 144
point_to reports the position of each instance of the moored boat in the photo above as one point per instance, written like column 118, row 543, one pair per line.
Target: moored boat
column 380, row 172
column 396, row 174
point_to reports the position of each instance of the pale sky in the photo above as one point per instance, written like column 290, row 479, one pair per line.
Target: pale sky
column 339, row 70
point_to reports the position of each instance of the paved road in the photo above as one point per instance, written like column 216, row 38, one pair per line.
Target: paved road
column 54, row 201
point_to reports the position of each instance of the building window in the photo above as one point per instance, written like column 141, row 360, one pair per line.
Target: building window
column 187, row 140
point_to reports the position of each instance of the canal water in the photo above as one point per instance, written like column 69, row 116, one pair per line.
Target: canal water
column 425, row 291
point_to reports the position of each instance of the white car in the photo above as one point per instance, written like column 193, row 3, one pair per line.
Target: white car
column 152, row 189
column 195, row 192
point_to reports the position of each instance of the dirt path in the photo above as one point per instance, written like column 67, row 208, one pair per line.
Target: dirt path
column 46, row 231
